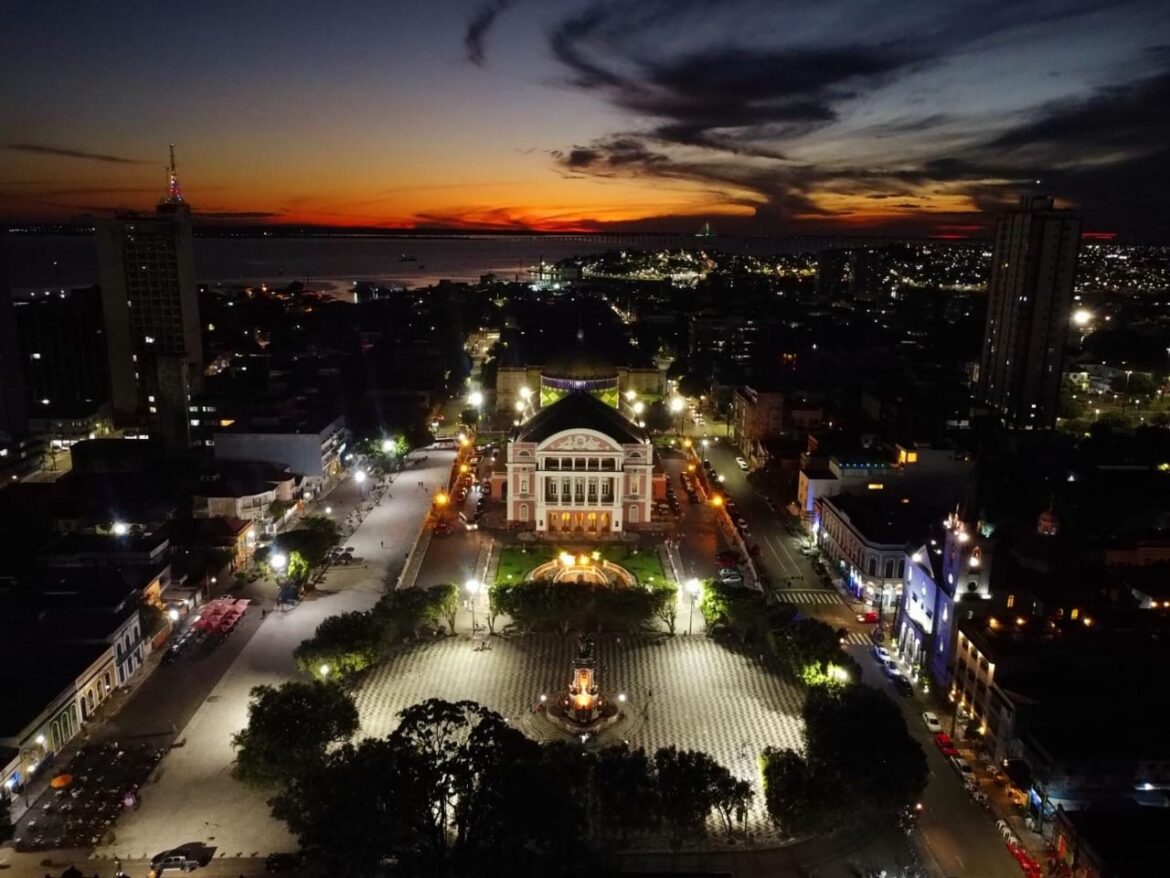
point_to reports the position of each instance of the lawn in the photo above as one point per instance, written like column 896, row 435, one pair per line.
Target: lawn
column 514, row 563
column 645, row 565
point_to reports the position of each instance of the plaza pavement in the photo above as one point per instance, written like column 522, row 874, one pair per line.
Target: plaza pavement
column 686, row 691
column 192, row 796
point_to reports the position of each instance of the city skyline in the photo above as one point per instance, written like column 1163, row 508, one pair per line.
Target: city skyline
column 759, row 118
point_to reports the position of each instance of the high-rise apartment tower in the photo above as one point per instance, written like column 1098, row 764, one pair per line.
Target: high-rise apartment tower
column 151, row 310
column 1033, row 267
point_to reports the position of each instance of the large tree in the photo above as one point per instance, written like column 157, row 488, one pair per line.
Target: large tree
column 624, row 793
column 290, row 729
column 889, row 772
column 687, row 781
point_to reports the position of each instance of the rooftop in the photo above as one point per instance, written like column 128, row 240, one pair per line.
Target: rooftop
column 580, row 410
column 885, row 517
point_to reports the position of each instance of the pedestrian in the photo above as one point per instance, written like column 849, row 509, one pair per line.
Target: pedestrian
column 382, row 543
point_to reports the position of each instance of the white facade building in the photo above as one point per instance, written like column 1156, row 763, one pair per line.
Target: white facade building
column 580, row 467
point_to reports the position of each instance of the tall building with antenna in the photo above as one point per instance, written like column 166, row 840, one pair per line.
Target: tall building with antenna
column 151, row 310
column 1033, row 267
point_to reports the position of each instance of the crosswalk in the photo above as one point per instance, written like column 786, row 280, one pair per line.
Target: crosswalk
column 808, row 596
column 858, row 638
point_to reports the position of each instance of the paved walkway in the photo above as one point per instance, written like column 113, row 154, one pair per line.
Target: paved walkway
column 194, row 797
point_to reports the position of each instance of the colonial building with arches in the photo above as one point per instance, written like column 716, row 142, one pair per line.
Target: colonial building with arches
column 579, row 467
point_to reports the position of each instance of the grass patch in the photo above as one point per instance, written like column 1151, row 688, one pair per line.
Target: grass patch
column 514, row 563
column 646, row 565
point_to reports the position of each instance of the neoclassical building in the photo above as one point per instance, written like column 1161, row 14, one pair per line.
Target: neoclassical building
column 579, row 467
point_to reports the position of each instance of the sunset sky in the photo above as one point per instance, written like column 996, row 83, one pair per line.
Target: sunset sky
column 762, row 117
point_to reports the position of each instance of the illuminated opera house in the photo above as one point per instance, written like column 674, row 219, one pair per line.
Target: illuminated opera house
column 578, row 466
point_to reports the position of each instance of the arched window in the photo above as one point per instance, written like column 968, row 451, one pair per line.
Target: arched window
column 872, row 567
column 522, row 512
column 889, row 569
column 633, row 516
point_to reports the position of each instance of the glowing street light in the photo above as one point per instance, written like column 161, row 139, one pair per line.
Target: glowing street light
column 525, row 393
column 442, row 499
column 677, row 404
column 693, row 589
column 476, row 398
column 387, row 446
column 173, row 614
column 277, row 561
column 328, row 510
column 631, row 395
column 639, row 407
column 520, row 405
column 716, row 500
column 324, row 670
column 120, row 528
column 1082, row 317
column 473, row 587
column 359, row 476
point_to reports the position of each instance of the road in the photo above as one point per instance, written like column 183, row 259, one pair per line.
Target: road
column 960, row 836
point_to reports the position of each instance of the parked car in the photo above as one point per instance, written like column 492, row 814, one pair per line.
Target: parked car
column 730, row 575
column 741, row 463
column 901, row 685
column 729, row 556
column 185, row 859
column 945, row 745
column 868, row 617
column 961, row 765
column 931, row 722
column 882, row 654
column 891, row 668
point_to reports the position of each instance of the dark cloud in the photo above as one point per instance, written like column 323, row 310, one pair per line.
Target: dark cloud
column 477, row 28
column 725, row 115
column 64, row 152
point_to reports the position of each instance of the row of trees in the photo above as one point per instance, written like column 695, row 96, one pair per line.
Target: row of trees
column 808, row 648
column 543, row 605
column 859, row 760
column 350, row 643
column 457, row 790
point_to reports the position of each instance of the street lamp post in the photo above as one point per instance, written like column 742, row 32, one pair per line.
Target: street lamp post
column 677, row 404
column 693, row 590
column 473, row 586
column 277, row 562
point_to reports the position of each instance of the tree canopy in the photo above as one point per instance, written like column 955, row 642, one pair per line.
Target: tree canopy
column 289, row 728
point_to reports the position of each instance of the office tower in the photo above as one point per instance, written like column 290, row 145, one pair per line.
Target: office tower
column 13, row 415
column 151, row 311
column 1033, row 267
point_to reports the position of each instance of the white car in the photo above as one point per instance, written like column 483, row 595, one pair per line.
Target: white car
column 962, row 766
column 741, row 463
column 883, row 655
column 931, row 722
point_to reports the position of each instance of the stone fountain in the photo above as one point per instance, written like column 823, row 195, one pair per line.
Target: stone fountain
column 581, row 709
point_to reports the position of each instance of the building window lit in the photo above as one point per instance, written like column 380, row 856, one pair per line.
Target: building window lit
column 1011, row 602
